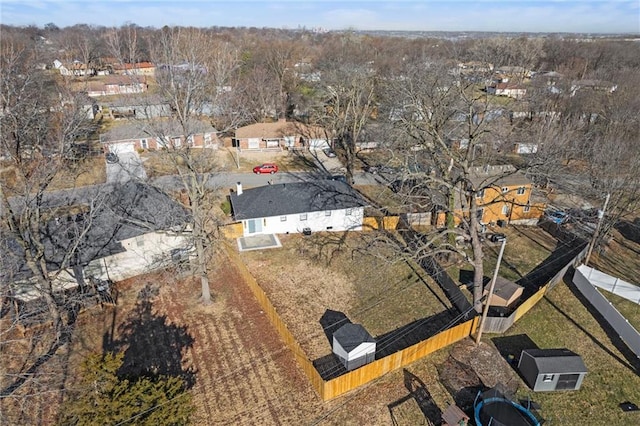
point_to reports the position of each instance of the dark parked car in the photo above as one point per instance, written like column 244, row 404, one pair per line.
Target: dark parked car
column 380, row 169
column 329, row 152
column 265, row 168
column 497, row 238
column 111, row 157
column 341, row 178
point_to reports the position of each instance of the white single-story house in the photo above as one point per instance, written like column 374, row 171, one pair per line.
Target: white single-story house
column 354, row 346
column 136, row 229
column 75, row 68
column 525, row 148
column 510, row 90
column 112, row 85
column 313, row 206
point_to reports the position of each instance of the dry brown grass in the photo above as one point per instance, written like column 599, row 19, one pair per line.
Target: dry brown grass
column 308, row 276
column 90, row 171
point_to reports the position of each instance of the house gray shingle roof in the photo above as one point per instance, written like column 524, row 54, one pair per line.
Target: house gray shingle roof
column 152, row 128
column 128, row 211
column 501, row 175
column 292, row 198
column 551, row 361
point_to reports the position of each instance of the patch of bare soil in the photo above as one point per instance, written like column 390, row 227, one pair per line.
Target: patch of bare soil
column 239, row 370
column 471, row 368
column 243, row 374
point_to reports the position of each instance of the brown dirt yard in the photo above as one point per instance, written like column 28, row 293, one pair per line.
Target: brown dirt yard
column 242, row 373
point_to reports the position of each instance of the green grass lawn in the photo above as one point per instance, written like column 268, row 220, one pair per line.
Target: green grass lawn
column 558, row 321
column 630, row 310
column 526, row 248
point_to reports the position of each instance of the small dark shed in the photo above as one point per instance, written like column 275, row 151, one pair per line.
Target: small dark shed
column 552, row 369
column 354, row 346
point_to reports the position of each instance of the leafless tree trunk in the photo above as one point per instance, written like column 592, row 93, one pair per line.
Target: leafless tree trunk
column 190, row 70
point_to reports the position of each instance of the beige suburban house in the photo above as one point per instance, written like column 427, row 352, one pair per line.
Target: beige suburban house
column 280, row 134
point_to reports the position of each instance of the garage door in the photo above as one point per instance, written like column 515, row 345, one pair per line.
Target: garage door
column 254, row 143
column 120, row 148
column 318, row 144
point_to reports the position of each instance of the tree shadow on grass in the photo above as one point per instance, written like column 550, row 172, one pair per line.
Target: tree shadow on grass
column 152, row 344
column 558, row 259
column 417, row 391
column 630, row 360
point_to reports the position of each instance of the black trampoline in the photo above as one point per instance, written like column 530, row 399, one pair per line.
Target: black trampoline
column 493, row 408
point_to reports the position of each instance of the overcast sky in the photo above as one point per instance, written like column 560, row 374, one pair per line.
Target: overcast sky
column 587, row 16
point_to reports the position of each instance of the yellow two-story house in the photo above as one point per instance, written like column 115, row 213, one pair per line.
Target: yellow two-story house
column 503, row 195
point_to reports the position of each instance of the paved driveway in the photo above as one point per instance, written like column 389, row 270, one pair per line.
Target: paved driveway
column 129, row 166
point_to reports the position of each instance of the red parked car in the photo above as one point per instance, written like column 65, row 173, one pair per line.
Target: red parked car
column 265, row 168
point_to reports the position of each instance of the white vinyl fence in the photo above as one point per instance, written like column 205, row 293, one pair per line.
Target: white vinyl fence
column 619, row 323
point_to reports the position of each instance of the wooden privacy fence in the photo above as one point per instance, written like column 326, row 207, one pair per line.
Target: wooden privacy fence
column 501, row 324
column 278, row 323
column 378, row 368
column 370, row 223
column 353, row 379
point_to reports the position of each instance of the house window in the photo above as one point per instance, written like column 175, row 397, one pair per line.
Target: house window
column 349, row 212
column 327, row 213
column 190, row 140
column 144, row 144
column 283, row 218
column 480, row 194
column 505, row 189
column 505, row 210
column 303, row 216
column 527, row 208
column 480, row 214
column 547, row 378
column 177, row 142
column 521, row 190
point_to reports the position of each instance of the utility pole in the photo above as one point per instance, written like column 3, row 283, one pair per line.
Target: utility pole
column 485, row 311
column 592, row 243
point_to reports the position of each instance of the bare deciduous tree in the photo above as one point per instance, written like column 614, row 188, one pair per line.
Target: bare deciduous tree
column 40, row 124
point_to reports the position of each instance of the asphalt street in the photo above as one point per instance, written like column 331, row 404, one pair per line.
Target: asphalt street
column 85, row 194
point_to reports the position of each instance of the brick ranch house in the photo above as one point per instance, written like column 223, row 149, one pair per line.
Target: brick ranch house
column 112, row 85
column 139, row 68
column 511, row 90
column 281, row 134
column 130, row 137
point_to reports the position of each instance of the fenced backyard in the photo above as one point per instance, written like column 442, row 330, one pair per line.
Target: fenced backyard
column 398, row 347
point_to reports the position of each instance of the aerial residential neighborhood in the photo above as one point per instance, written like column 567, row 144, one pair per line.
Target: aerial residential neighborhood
column 217, row 225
